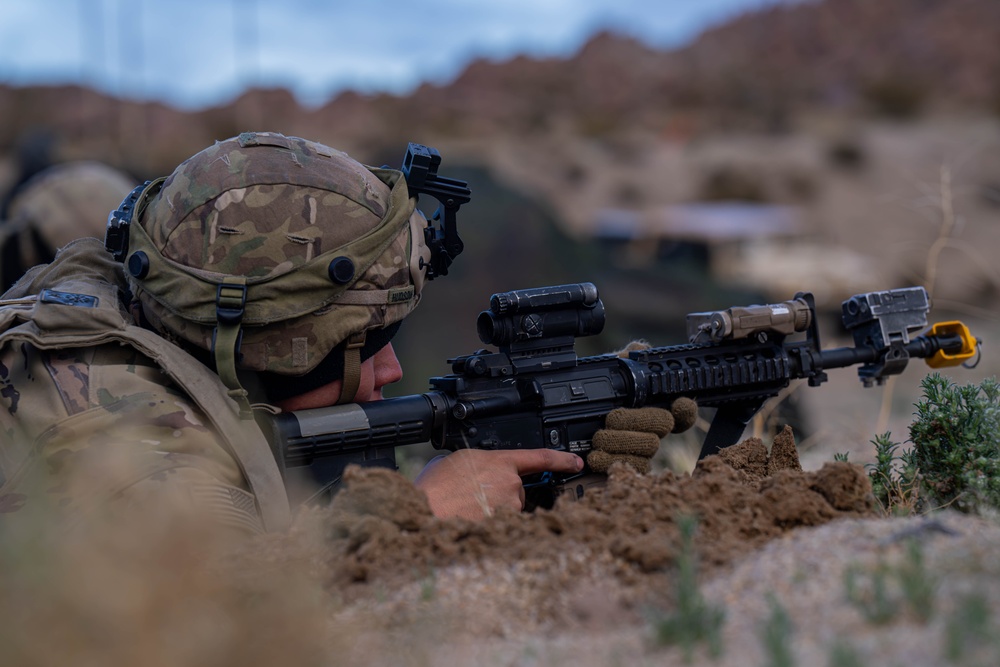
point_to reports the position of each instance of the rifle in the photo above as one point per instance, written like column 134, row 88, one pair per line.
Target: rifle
column 535, row 392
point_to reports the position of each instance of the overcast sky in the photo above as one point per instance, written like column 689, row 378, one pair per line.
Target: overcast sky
column 195, row 53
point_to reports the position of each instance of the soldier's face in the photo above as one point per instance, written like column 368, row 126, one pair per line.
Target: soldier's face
column 383, row 368
column 377, row 371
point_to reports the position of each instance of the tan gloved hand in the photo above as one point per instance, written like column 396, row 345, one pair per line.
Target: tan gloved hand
column 632, row 435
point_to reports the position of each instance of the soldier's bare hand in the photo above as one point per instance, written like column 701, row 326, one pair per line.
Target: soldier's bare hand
column 471, row 483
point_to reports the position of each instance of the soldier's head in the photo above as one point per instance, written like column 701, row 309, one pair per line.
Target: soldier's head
column 58, row 205
column 277, row 255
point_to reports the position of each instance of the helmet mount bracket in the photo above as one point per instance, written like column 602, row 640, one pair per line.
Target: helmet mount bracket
column 420, row 166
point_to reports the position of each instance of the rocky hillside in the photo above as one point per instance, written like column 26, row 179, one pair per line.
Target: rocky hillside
column 842, row 52
column 895, row 57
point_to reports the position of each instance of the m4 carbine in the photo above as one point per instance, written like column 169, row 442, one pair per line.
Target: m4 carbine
column 535, row 392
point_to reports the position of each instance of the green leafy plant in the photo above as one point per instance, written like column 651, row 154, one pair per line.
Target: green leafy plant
column 893, row 477
column 917, row 584
column 955, row 457
column 776, row 635
column 694, row 621
column 968, row 629
column 956, row 443
column 428, row 586
column 841, row 456
column 881, row 594
column 869, row 593
column 842, row 654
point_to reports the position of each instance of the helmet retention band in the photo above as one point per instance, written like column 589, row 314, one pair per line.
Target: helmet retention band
column 230, row 302
column 352, row 367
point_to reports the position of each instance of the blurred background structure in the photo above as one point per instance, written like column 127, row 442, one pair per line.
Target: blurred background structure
column 684, row 158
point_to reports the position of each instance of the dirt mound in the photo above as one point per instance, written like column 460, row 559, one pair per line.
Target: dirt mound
column 376, row 580
column 617, row 542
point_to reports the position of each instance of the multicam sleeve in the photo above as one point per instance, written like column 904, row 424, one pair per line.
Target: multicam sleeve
column 96, row 429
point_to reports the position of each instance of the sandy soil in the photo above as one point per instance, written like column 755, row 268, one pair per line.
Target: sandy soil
column 580, row 584
column 584, row 582
column 376, row 580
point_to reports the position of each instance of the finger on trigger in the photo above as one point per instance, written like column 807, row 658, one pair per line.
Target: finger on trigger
column 529, row 461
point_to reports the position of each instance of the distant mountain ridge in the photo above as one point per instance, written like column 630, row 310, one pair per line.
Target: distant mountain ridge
column 759, row 68
column 842, row 54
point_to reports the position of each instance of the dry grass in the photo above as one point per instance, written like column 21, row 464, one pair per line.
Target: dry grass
column 156, row 589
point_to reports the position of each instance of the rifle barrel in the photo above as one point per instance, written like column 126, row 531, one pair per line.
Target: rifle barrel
column 921, row 347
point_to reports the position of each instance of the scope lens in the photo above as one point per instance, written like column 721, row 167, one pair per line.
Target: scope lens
column 486, row 327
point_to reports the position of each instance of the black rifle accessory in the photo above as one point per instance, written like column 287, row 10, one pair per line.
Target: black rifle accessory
column 420, row 167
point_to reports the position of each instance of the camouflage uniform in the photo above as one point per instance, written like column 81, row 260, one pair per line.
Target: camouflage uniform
column 98, row 408
column 92, row 413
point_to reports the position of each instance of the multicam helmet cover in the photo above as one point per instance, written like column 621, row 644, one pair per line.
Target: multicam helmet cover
column 281, row 247
column 60, row 204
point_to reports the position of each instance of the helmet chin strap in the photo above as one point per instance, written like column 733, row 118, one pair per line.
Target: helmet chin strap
column 230, row 301
column 352, row 368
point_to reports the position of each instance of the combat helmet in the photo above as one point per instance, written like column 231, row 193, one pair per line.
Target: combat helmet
column 278, row 255
column 60, row 204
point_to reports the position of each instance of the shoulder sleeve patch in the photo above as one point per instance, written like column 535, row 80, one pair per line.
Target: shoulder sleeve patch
column 68, row 298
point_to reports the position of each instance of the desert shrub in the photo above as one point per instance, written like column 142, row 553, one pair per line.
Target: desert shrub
column 596, row 125
column 956, row 443
column 917, row 583
column 882, row 593
column 968, row 629
column 895, row 97
column 731, row 183
column 955, row 457
column 575, row 174
column 869, row 592
column 776, row 636
column 893, row 478
column 847, row 154
column 694, row 621
column 843, row 654
column 801, row 186
column 629, row 195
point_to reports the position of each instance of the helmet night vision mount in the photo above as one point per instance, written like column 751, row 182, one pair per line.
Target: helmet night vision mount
column 420, row 166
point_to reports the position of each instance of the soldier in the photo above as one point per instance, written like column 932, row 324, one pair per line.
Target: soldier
column 61, row 203
column 266, row 272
